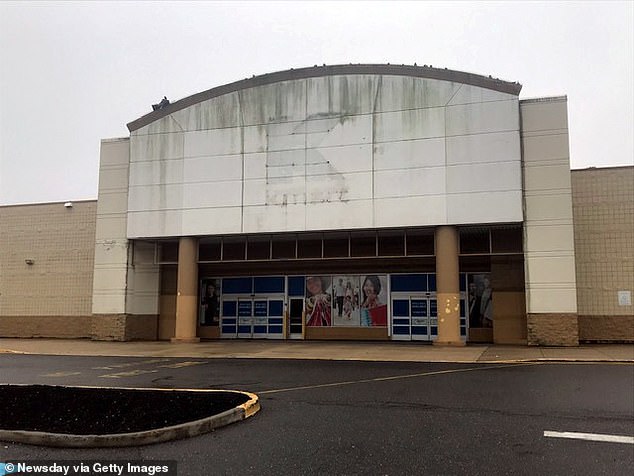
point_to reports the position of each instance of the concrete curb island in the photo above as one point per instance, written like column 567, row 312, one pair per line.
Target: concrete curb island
column 139, row 438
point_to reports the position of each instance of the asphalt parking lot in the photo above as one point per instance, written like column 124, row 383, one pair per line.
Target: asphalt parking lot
column 350, row 417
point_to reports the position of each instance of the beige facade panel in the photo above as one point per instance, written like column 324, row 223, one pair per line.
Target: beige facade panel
column 115, row 153
column 413, row 182
column 549, row 299
column 398, row 92
column 110, row 254
column 468, row 94
column 111, row 259
column 481, row 148
column 226, row 220
column 338, row 215
column 410, row 154
column 409, row 124
column 547, row 177
column 484, row 207
column 543, row 206
column 156, row 223
column 113, row 179
column 390, row 212
column 549, row 238
column 157, row 147
column 285, row 218
column 109, row 226
column 205, row 169
column 545, row 115
column 551, row 268
column 498, row 116
column 541, row 148
column 549, row 271
column 108, row 301
column 335, row 140
column 490, row 177
column 113, row 202
column 155, row 172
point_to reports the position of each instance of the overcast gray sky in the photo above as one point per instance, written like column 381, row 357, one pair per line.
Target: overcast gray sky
column 72, row 73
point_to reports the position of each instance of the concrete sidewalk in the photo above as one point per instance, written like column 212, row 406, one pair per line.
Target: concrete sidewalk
column 325, row 350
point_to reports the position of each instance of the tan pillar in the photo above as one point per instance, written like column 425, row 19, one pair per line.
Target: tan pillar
column 187, row 292
column 448, row 286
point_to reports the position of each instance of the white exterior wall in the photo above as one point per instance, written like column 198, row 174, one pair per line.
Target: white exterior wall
column 549, row 253
column 332, row 152
column 125, row 281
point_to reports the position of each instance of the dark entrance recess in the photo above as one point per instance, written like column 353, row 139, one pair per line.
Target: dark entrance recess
column 296, row 309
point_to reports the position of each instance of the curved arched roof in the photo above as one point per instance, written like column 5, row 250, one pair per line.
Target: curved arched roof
column 333, row 70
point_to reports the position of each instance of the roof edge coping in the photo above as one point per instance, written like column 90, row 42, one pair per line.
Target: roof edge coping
column 427, row 72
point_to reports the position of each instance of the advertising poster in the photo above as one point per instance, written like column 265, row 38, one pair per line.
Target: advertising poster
column 346, row 301
column 318, row 301
column 480, row 300
column 373, row 307
column 209, row 303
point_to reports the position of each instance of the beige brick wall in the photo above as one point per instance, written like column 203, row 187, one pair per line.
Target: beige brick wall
column 603, row 208
column 60, row 242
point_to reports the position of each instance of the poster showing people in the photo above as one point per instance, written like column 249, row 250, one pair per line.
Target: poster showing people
column 345, row 301
column 480, row 300
column 373, row 307
column 318, row 301
column 209, row 303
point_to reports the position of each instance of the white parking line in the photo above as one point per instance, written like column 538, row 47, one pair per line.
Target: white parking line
column 590, row 436
column 131, row 373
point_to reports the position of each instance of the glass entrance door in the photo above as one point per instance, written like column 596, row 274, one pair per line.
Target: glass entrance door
column 419, row 313
column 414, row 317
column 245, row 318
column 260, row 319
column 253, row 318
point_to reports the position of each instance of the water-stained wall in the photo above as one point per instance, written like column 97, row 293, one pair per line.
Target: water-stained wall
column 332, row 152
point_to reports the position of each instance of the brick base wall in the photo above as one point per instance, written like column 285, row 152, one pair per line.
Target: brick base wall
column 606, row 328
column 141, row 327
column 553, row 329
column 122, row 327
column 65, row 327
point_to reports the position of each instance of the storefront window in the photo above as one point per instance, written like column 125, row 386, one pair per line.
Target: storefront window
column 474, row 241
column 506, row 240
column 210, row 302
column 283, row 248
column 168, row 252
column 392, row 243
column 346, row 301
column 309, row 246
column 480, row 297
column 258, row 248
column 336, row 245
column 420, row 243
column 233, row 249
column 362, row 244
column 209, row 250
